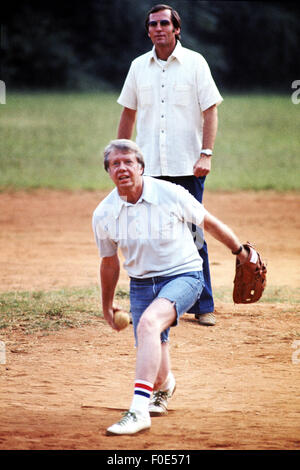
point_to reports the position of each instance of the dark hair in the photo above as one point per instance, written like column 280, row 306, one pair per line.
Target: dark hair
column 126, row 146
column 175, row 18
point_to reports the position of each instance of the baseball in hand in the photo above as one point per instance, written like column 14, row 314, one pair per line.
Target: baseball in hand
column 121, row 319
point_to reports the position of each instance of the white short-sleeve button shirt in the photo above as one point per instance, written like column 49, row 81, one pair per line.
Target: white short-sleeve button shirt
column 170, row 99
column 153, row 234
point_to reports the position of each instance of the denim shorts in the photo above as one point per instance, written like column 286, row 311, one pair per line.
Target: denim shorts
column 182, row 289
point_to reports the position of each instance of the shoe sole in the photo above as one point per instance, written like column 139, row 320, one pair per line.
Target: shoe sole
column 154, row 414
column 109, row 433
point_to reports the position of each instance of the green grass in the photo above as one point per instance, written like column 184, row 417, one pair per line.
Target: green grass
column 258, row 144
column 56, row 140
column 45, row 312
column 271, row 295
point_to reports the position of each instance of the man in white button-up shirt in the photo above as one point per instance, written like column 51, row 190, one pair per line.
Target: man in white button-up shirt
column 174, row 97
column 147, row 219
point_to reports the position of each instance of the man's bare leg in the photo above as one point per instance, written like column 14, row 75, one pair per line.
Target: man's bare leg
column 152, row 360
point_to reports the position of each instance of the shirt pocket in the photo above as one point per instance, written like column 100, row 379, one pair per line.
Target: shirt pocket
column 145, row 93
column 181, row 95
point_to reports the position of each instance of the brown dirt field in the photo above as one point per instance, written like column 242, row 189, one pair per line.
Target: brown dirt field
column 237, row 382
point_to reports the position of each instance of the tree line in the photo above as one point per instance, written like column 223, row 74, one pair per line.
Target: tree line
column 83, row 45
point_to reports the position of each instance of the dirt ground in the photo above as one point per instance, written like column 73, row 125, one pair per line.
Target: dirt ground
column 237, row 382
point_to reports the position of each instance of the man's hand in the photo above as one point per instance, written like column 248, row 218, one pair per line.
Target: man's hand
column 202, row 166
column 109, row 317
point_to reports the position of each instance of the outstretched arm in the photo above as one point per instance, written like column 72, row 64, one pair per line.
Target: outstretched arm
column 225, row 235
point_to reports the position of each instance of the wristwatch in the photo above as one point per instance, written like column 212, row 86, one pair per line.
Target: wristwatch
column 207, row 152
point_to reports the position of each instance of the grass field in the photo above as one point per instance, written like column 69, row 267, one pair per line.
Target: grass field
column 56, row 141
column 50, row 311
column 44, row 312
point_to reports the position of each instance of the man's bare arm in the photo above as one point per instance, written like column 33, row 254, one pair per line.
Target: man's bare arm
column 126, row 124
column 224, row 234
column 210, row 126
column 109, row 276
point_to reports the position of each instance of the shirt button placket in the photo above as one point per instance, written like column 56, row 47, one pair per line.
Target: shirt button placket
column 162, row 136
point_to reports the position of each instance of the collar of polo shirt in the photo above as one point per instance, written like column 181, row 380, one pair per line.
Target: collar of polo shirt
column 147, row 195
column 177, row 53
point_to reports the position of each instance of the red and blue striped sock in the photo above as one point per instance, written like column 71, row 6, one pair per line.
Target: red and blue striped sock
column 141, row 396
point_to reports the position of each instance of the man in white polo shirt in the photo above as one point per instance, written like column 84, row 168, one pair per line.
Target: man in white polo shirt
column 171, row 92
column 148, row 220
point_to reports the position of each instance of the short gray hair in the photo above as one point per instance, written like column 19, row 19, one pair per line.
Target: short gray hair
column 126, row 146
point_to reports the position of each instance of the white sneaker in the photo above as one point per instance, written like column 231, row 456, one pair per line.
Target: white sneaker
column 131, row 423
column 206, row 319
column 158, row 405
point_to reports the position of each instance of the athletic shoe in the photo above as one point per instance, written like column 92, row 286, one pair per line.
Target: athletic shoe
column 206, row 319
column 158, row 405
column 131, row 423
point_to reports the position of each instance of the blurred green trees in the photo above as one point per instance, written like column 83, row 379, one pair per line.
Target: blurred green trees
column 82, row 45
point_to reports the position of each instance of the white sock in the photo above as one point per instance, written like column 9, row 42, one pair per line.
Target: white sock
column 141, row 396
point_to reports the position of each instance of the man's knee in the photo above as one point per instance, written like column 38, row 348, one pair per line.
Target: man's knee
column 148, row 325
column 157, row 317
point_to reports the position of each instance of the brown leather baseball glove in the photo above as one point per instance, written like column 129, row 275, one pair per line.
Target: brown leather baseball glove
column 250, row 278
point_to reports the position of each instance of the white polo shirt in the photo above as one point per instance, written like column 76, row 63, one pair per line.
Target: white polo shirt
column 170, row 99
column 153, row 234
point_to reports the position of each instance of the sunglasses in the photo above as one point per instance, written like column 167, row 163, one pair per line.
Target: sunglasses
column 162, row 23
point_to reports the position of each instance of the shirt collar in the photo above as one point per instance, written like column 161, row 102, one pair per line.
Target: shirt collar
column 176, row 54
column 148, row 195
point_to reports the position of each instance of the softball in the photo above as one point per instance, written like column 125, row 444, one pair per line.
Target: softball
column 121, row 319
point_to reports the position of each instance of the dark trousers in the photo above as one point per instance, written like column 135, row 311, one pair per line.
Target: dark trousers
column 196, row 187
